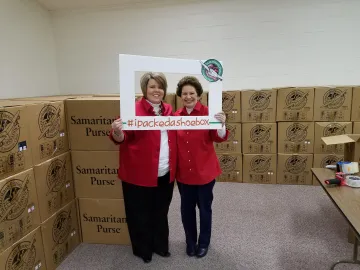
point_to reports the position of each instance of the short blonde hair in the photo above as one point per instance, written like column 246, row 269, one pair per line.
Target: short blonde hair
column 158, row 77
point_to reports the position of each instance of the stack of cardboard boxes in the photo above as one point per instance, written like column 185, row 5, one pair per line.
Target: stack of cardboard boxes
column 50, row 200
column 95, row 163
column 19, row 209
column 280, row 132
column 332, row 116
column 38, row 218
column 230, row 153
column 259, row 136
column 295, row 112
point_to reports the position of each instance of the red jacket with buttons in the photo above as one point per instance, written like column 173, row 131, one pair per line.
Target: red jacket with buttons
column 140, row 150
column 197, row 160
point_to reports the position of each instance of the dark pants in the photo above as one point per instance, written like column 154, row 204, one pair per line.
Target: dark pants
column 147, row 216
column 202, row 196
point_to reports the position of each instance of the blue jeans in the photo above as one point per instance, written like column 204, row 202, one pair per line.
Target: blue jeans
column 192, row 196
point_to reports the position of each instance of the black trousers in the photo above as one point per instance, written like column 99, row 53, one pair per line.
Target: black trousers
column 202, row 196
column 147, row 216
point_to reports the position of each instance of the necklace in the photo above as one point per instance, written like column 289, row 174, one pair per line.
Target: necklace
column 159, row 111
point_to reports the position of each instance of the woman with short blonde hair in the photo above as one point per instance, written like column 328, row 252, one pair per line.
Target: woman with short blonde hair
column 147, row 170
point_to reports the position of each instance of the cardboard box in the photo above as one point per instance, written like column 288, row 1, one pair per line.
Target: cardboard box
column 258, row 106
column 231, row 166
column 295, row 169
column 322, row 160
column 296, row 137
column 47, row 129
column 356, row 128
column 103, row 221
column 60, row 235
column 15, row 146
column 231, row 105
column 259, row 169
column 203, row 100
column 355, row 108
column 54, row 184
column 233, row 144
column 326, row 129
column 259, row 138
column 27, row 253
column 89, row 122
column 295, row 104
column 333, row 104
column 96, row 174
column 19, row 208
column 351, row 144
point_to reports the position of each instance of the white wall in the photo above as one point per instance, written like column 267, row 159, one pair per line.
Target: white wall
column 27, row 50
column 263, row 43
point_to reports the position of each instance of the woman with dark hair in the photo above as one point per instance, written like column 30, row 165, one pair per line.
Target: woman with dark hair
column 198, row 166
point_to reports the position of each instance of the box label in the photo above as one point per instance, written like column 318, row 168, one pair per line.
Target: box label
column 261, row 169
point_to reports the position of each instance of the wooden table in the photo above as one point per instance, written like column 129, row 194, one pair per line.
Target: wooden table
column 347, row 200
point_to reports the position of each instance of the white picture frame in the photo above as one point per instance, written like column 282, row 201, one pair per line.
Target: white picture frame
column 130, row 64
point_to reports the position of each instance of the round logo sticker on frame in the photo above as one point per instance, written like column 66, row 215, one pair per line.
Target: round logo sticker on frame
column 212, row 70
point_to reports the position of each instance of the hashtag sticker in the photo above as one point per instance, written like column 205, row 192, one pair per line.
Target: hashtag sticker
column 130, row 123
column 168, row 123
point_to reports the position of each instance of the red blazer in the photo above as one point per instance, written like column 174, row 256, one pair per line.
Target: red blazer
column 140, row 150
column 197, row 160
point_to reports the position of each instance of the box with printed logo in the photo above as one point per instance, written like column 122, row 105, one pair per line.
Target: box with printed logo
column 259, row 138
column 103, row 221
column 231, row 105
column 19, row 208
column 295, row 104
column 15, row 145
column 27, row 253
column 295, row 169
column 231, row 166
column 54, row 184
column 258, row 106
column 60, row 235
column 333, row 104
column 89, row 122
column 96, row 174
column 233, row 143
column 327, row 129
column 259, row 168
column 295, row 137
column 47, row 128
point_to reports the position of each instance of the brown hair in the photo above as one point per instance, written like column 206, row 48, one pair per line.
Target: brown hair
column 192, row 81
column 158, row 77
